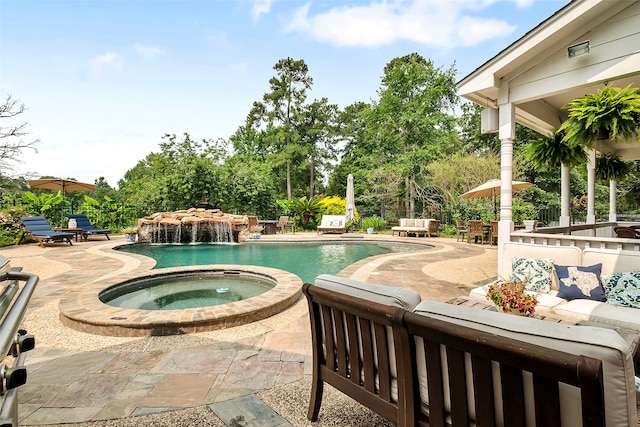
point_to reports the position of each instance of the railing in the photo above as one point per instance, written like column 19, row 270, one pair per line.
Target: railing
column 14, row 342
column 599, row 235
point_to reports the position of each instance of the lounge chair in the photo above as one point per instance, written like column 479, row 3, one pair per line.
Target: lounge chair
column 83, row 223
column 333, row 224
column 40, row 230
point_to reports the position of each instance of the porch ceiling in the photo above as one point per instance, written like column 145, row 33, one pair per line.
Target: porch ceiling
column 535, row 75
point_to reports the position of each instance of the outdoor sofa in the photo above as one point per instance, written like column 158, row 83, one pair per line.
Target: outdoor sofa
column 426, row 363
column 608, row 291
column 417, row 226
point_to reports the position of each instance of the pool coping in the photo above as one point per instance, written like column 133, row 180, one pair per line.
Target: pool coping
column 83, row 310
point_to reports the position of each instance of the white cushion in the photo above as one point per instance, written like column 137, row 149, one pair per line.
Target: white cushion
column 601, row 312
column 388, row 295
column 403, row 222
column 600, row 343
column 613, row 261
column 565, row 255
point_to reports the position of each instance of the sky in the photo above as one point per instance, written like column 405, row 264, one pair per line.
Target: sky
column 104, row 80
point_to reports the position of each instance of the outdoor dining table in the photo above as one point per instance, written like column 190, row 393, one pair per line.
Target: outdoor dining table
column 268, row 225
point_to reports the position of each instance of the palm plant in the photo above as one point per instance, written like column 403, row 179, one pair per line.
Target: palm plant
column 610, row 113
column 307, row 208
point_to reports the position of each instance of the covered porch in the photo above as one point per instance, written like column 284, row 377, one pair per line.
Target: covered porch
column 583, row 47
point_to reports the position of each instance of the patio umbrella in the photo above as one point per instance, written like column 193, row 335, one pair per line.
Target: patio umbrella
column 492, row 188
column 59, row 184
column 351, row 206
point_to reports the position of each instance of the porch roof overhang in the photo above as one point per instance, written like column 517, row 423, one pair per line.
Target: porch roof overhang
column 535, row 74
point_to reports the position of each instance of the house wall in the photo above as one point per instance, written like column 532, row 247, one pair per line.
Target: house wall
column 614, row 52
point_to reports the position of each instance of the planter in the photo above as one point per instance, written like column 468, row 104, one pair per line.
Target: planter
column 255, row 235
column 511, row 311
column 370, row 230
column 130, row 237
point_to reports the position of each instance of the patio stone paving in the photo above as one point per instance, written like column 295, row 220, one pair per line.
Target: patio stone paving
column 75, row 377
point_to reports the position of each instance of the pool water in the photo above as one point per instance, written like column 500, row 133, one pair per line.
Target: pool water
column 184, row 290
column 305, row 260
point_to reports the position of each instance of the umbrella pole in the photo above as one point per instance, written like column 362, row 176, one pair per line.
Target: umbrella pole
column 495, row 207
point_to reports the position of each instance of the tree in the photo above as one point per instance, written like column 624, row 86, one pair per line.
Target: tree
column 470, row 132
column 316, row 130
column 179, row 177
column 11, row 142
column 282, row 106
column 413, row 122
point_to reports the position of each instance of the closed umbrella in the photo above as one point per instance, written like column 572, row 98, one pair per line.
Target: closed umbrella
column 492, row 188
column 351, row 206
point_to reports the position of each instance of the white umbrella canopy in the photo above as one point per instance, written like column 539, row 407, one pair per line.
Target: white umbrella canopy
column 492, row 188
column 351, row 206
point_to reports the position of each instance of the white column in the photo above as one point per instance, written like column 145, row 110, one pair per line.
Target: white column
column 506, row 134
column 613, row 216
column 565, row 196
column 591, row 187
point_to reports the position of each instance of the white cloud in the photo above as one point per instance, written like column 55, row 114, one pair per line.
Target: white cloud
column 524, row 3
column 438, row 23
column 102, row 62
column 260, row 7
column 148, row 52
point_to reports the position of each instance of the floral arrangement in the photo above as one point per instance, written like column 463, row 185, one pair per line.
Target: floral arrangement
column 130, row 230
column 511, row 296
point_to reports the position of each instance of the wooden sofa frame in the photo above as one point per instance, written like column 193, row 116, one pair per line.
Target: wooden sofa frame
column 367, row 350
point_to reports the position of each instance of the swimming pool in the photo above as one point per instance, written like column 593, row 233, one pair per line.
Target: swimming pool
column 305, row 260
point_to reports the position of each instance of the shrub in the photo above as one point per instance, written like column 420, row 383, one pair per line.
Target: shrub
column 11, row 225
column 375, row 221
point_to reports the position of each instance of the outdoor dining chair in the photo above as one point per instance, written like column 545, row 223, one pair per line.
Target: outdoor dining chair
column 475, row 230
column 493, row 232
column 462, row 230
column 283, row 224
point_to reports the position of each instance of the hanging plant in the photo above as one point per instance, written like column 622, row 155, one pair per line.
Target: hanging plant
column 611, row 167
column 610, row 113
column 553, row 153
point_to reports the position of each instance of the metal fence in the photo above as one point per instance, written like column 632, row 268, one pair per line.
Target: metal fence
column 112, row 216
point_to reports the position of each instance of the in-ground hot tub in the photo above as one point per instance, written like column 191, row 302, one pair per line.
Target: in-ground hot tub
column 190, row 289
column 85, row 311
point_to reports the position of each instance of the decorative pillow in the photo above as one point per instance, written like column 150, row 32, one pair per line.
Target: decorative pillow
column 580, row 282
column 536, row 273
column 622, row 289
